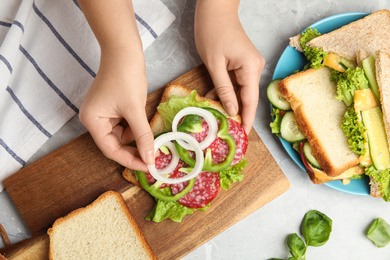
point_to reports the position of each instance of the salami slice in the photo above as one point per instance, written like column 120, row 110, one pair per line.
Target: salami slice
column 202, row 135
column 220, row 149
column 206, row 188
column 241, row 138
column 162, row 161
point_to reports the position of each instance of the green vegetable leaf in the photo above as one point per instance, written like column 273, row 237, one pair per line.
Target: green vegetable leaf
column 314, row 55
column 381, row 177
column 355, row 131
column 275, row 125
column 348, row 82
column 191, row 124
column 232, row 174
column 296, row 245
column 170, row 108
column 316, row 228
column 170, row 209
column 379, row 232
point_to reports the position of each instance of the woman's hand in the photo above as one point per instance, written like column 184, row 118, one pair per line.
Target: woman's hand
column 224, row 46
column 113, row 110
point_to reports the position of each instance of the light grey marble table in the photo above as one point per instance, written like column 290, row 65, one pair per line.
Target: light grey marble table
column 261, row 235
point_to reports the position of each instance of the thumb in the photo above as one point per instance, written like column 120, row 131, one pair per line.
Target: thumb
column 224, row 87
column 142, row 133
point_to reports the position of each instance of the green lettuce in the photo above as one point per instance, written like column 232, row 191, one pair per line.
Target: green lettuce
column 170, row 209
column 355, row 131
column 171, row 107
column 275, row 125
column 314, row 55
column 232, row 174
column 381, row 177
column 348, row 82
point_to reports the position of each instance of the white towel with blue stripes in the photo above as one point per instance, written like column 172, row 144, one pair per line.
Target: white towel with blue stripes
column 48, row 59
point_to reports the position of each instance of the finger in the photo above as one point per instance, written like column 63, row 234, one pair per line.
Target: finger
column 249, row 92
column 212, row 94
column 123, row 154
column 224, row 88
column 136, row 117
column 124, row 134
column 113, row 149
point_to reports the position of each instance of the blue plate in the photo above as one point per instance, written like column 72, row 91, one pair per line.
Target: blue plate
column 292, row 60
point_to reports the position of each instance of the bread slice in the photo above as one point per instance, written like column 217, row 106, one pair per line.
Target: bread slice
column 319, row 115
column 104, row 229
column 382, row 65
column 157, row 122
column 370, row 34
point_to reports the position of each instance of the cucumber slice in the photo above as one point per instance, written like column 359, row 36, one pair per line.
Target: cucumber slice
column 289, row 129
column 347, row 64
column 377, row 140
column 275, row 97
column 308, row 153
column 369, row 70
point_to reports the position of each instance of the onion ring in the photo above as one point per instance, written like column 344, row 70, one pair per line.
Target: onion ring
column 207, row 116
column 174, row 161
column 191, row 141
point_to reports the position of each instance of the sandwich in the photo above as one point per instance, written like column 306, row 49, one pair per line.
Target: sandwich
column 339, row 102
column 200, row 150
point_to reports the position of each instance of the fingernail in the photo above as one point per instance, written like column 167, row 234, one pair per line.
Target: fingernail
column 230, row 109
column 149, row 157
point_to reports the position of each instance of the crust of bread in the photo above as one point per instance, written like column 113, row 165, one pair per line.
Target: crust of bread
column 371, row 33
column 383, row 78
column 382, row 65
column 101, row 198
column 157, row 121
column 295, row 42
column 304, row 124
column 360, row 56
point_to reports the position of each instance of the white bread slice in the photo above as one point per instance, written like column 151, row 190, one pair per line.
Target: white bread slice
column 157, row 122
column 319, row 115
column 370, row 34
column 104, row 229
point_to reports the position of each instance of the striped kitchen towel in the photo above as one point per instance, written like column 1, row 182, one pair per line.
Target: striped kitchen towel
column 48, row 59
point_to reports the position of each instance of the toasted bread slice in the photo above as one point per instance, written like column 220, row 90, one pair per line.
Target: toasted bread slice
column 157, row 122
column 370, row 34
column 104, row 229
column 319, row 115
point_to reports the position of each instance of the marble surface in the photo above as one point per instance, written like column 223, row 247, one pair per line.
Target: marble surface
column 261, row 235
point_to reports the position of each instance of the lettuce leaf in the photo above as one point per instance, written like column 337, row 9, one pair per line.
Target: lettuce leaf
column 232, row 174
column 355, row 131
column 314, row 55
column 348, row 82
column 168, row 209
column 381, row 177
column 171, row 107
column 275, row 125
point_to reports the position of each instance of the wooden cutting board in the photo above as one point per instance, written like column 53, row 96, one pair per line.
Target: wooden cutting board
column 76, row 174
